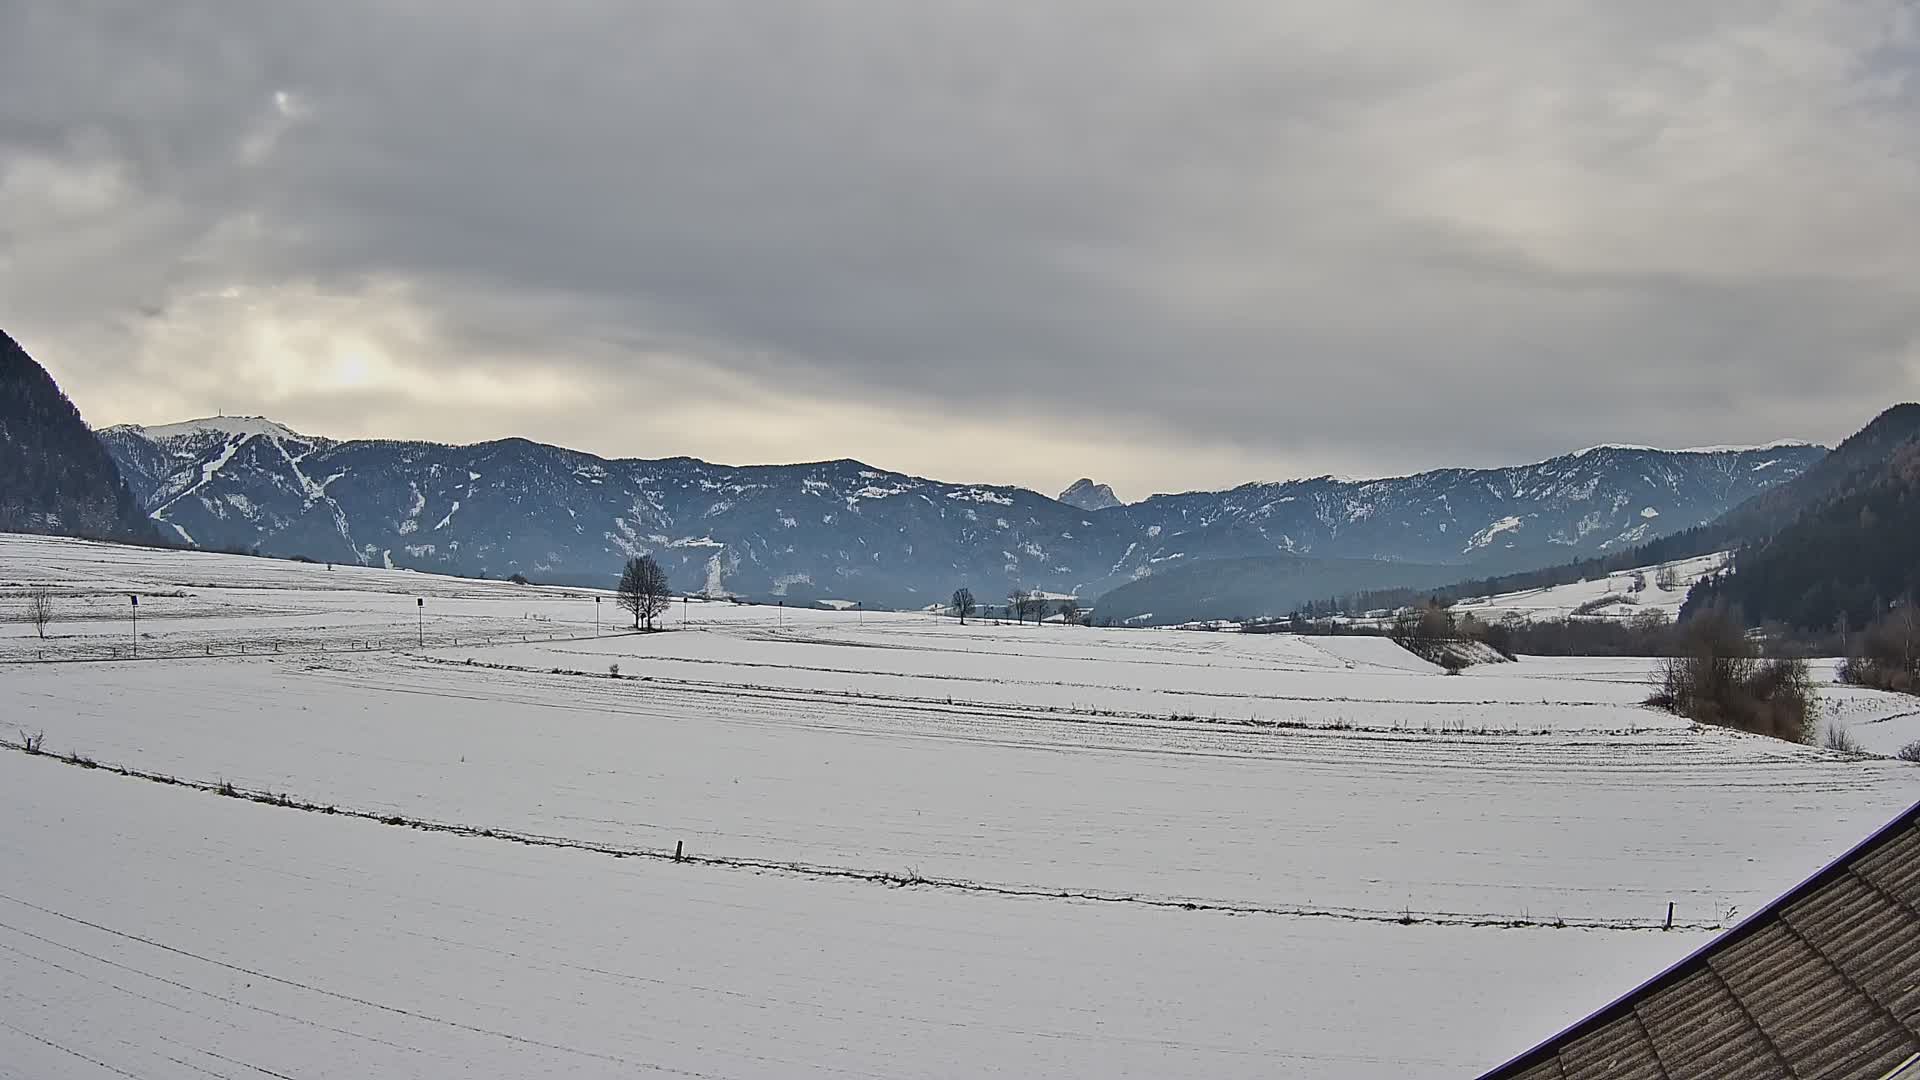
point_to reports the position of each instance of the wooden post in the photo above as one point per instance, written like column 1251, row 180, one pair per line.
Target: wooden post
column 1669, row 925
column 679, row 849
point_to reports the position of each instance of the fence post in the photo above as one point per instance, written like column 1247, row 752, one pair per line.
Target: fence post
column 1669, row 925
column 679, row 849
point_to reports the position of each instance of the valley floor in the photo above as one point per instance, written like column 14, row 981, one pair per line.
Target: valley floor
column 914, row 849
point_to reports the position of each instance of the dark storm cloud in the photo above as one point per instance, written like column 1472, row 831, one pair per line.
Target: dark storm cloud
column 1168, row 245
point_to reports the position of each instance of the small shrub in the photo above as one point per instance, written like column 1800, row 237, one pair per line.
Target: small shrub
column 518, row 579
column 1839, row 738
column 226, row 788
column 1910, row 752
column 613, row 670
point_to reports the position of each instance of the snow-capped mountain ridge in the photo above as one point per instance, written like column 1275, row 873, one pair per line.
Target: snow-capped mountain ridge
column 1731, row 448
column 215, row 425
column 844, row 528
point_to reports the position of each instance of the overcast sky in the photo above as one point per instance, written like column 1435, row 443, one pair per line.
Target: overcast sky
column 1167, row 245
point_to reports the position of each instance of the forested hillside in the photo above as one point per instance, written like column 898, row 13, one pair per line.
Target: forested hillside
column 55, row 477
column 1840, row 563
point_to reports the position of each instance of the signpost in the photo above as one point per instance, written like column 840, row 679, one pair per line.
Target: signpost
column 596, row 616
column 135, row 597
column 420, row 619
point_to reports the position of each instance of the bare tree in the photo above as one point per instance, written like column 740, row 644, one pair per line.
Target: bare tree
column 963, row 604
column 1905, row 622
column 1018, row 604
column 40, row 611
column 1668, row 579
column 1033, row 605
column 1886, row 652
column 1713, row 659
column 1070, row 611
column 644, row 591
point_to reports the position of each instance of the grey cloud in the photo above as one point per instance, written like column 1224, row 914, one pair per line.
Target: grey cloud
column 1187, row 239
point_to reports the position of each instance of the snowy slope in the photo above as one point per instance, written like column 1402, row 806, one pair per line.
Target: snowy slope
column 1620, row 594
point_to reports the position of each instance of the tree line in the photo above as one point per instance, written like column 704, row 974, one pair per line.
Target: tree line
column 1022, row 604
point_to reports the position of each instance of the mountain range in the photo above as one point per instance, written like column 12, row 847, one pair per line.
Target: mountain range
column 845, row 529
column 837, row 529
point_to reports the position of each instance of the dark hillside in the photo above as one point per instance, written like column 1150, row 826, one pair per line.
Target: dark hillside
column 55, row 476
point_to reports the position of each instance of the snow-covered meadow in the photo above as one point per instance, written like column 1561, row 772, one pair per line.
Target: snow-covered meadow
column 1621, row 594
column 914, row 849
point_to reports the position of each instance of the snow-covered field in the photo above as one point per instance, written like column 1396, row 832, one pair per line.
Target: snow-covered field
column 914, row 849
column 1622, row 594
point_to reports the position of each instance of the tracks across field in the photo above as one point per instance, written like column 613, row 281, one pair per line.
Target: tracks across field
column 890, row 878
column 951, row 706
column 1398, row 808
column 280, row 642
column 1213, row 694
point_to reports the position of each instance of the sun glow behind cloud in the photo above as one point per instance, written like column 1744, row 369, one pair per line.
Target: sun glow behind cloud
column 988, row 241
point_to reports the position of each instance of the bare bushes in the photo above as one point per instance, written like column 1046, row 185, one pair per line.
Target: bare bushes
column 1716, row 677
column 1886, row 655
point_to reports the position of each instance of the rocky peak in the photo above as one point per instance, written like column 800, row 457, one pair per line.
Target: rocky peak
column 1084, row 494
